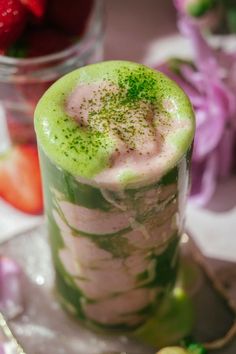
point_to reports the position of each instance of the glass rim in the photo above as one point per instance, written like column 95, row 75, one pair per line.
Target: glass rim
column 97, row 11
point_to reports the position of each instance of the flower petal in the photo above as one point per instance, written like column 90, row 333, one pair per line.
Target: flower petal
column 226, row 153
column 208, row 134
column 203, row 53
column 204, row 179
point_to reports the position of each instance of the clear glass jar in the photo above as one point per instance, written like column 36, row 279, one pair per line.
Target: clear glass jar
column 23, row 81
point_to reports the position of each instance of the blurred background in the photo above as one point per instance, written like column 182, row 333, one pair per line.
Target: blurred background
column 132, row 25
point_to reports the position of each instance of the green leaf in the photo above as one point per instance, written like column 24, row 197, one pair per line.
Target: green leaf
column 196, row 348
column 200, row 7
column 231, row 19
column 193, row 347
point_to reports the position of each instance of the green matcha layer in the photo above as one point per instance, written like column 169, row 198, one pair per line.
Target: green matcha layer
column 115, row 124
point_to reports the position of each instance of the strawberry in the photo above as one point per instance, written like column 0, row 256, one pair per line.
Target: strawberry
column 20, row 181
column 69, row 15
column 12, row 21
column 36, row 7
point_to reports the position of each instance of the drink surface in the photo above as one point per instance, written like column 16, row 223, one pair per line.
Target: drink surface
column 115, row 141
column 115, row 124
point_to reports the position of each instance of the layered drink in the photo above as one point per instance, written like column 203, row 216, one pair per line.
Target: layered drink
column 115, row 143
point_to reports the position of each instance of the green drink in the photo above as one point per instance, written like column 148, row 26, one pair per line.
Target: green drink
column 114, row 141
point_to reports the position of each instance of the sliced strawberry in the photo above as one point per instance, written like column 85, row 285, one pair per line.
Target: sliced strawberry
column 12, row 21
column 20, row 181
column 37, row 7
column 70, row 15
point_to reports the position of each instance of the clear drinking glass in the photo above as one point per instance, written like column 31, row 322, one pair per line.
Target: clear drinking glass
column 23, row 81
column 115, row 234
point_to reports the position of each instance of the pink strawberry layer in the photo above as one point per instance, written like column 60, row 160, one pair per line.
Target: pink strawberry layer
column 100, row 275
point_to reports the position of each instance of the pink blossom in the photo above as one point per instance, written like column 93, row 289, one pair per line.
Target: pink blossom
column 211, row 86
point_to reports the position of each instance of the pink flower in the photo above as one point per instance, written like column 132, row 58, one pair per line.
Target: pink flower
column 211, row 86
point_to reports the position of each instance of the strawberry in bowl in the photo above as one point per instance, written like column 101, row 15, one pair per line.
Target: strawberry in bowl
column 12, row 22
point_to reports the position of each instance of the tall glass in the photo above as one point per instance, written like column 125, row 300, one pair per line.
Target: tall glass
column 115, row 250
